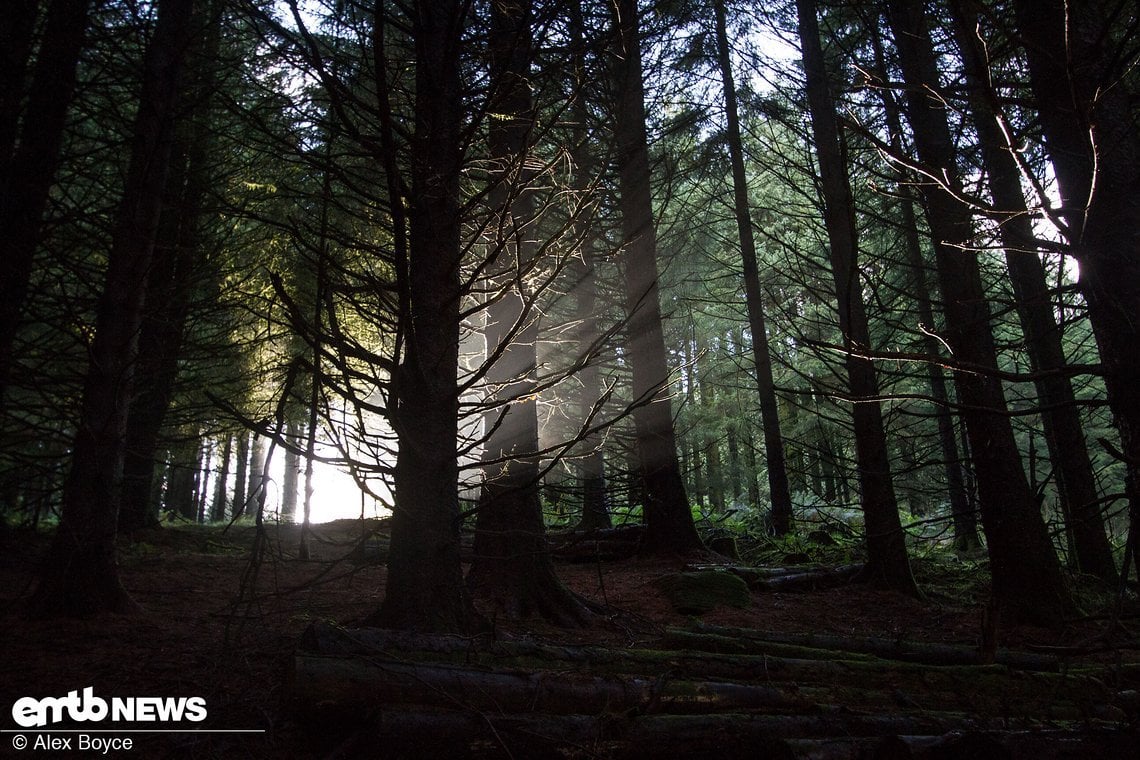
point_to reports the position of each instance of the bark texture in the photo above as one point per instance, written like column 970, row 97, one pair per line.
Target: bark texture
column 1027, row 580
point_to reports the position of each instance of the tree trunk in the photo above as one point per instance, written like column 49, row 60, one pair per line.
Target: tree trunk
column 81, row 575
column 511, row 568
column 1087, row 118
column 255, row 495
column 734, row 484
column 27, row 174
column 221, row 493
column 710, row 443
column 202, row 482
column 778, row 487
column 176, row 260
column 1060, row 415
column 16, row 37
column 1027, row 580
column 425, row 587
column 887, row 562
column 753, row 478
column 291, row 476
column 241, row 475
column 964, row 519
column 681, row 702
column 592, row 463
column 871, row 651
column 159, row 345
column 669, row 522
column 181, row 473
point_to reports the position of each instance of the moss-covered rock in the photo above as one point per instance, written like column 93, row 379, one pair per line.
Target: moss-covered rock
column 695, row 593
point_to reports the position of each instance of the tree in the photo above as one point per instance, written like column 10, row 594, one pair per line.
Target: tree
column 1085, row 102
column 26, row 174
column 592, row 466
column 1027, row 582
column 963, row 515
column 425, row 588
column 512, row 566
column 779, row 490
column 1060, row 415
column 16, row 40
column 80, row 575
column 176, row 259
column 668, row 521
column 887, row 561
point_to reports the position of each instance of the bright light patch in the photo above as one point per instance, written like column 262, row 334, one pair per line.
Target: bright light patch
column 336, row 496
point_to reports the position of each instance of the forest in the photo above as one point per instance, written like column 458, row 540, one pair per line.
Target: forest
column 539, row 367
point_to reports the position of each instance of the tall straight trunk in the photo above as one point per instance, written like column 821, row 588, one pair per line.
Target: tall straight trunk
column 221, row 490
column 241, row 474
column 181, row 475
column 709, row 443
column 159, row 345
column 668, row 522
column 698, row 464
column 512, row 569
column 1060, row 415
column 1088, row 121
column 202, row 484
column 714, row 473
column 734, row 478
column 750, row 462
column 81, row 574
column 303, row 548
column 26, row 175
column 887, row 561
column 592, row 463
column 255, row 493
column 964, row 520
column 291, row 476
column 779, row 490
column 1027, row 580
column 425, row 588
column 166, row 305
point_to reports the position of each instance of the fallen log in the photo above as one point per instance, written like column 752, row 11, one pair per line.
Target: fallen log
column 994, row 690
column 788, row 579
column 457, row 734
column 688, row 661
column 929, row 653
column 1092, row 742
column 749, row 573
column 320, row 682
column 808, row 580
column 602, row 545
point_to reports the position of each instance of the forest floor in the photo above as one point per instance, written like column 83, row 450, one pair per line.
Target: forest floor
column 210, row 629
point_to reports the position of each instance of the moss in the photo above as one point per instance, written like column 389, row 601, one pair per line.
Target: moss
column 696, row 593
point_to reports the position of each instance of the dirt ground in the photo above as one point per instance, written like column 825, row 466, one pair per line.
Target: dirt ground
column 199, row 635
